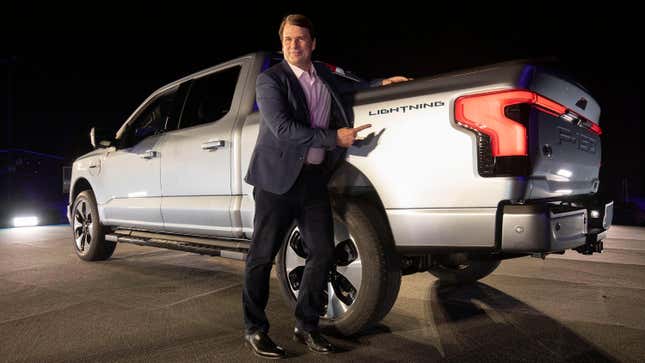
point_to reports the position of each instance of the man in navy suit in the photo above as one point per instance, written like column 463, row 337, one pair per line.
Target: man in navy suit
column 304, row 132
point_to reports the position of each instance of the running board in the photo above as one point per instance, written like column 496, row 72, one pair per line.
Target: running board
column 204, row 246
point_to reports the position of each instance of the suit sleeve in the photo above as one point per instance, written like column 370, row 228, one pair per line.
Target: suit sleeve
column 274, row 108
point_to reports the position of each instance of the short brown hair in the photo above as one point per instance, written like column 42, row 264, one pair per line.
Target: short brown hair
column 298, row 20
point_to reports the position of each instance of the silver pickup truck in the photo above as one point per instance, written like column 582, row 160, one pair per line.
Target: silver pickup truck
column 461, row 171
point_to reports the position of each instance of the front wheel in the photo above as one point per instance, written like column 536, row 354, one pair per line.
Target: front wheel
column 89, row 234
column 363, row 283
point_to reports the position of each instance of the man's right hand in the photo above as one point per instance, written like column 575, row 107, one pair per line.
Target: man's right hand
column 346, row 136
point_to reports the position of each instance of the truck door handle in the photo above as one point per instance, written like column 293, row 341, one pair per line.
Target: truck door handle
column 213, row 144
column 149, row 154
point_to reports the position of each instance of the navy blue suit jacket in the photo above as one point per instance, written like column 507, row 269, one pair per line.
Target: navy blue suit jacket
column 285, row 133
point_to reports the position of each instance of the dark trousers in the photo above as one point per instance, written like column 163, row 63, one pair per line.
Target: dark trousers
column 307, row 202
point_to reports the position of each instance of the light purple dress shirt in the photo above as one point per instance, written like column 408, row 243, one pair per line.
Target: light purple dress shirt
column 319, row 103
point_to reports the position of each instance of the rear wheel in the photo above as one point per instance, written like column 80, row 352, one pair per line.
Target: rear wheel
column 89, row 234
column 461, row 268
column 363, row 283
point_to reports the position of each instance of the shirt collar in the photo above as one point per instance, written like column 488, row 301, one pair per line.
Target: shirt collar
column 299, row 71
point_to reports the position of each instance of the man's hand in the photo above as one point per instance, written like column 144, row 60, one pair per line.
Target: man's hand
column 395, row 79
column 346, row 136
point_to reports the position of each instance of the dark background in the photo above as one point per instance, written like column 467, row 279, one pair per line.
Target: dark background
column 96, row 72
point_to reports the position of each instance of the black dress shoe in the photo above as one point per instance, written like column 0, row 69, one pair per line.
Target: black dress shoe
column 314, row 340
column 263, row 346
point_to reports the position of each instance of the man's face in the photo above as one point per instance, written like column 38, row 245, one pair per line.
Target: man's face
column 297, row 45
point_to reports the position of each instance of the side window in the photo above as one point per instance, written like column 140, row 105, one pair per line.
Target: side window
column 210, row 98
column 154, row 119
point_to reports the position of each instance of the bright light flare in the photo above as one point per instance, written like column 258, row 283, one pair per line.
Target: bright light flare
column 25, row 221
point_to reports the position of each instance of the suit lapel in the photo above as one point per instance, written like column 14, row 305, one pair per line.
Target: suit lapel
column 324, row 75
column 296, row 87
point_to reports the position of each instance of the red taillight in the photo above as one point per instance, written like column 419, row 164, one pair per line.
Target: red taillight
column 548, row 105
column 335, row 69
column 331, row 67
column 486, row 114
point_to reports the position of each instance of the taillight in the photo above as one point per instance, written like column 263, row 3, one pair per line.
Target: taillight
column 485, row 113
column 595, row 128
column 502, row 137
column 335, row 69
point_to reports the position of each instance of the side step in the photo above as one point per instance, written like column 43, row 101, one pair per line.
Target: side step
column 234, row 249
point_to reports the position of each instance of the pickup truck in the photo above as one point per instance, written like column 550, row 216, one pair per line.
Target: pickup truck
column 461, row 171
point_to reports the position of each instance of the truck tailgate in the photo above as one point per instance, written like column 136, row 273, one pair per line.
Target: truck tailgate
column 564, row 149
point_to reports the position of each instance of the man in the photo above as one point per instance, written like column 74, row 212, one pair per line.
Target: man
column 304, row 132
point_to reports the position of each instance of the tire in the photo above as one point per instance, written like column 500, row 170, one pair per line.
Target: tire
column 364, row 249
column 88, row 233
column 460, row 269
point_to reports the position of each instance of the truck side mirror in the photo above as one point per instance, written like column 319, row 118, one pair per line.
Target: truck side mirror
column 101, row 138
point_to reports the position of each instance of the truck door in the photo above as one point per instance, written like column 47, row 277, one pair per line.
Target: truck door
column 131, row 170
column 198, row 156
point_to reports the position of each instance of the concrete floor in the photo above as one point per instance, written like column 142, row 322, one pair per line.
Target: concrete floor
column 149, row 304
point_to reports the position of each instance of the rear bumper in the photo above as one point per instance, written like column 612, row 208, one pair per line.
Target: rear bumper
column 526, row 228
column 550, row 228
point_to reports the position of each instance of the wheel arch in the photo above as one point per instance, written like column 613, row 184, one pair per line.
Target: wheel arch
column 350, row 183
column 80, row 185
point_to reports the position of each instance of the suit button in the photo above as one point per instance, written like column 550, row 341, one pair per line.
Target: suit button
column 301, row 158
